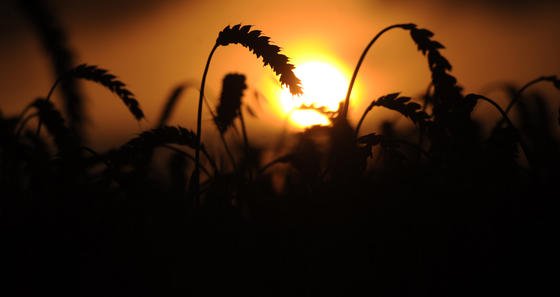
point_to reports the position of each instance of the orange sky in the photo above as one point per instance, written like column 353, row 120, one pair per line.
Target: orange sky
column 161, row 43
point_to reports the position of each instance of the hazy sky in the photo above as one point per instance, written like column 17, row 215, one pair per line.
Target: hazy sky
column 153, row 45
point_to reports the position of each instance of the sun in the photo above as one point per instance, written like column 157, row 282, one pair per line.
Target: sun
column 324, row 85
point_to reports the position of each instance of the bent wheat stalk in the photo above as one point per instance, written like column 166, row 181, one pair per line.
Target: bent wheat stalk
column 361, row 60
column 552, row 78
column 261, row 47
column 103, row 77
column 524, row 147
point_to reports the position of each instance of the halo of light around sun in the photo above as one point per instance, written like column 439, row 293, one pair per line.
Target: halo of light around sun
column 324, row 86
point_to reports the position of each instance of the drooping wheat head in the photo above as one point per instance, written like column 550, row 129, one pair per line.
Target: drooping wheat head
column 109, row 81
column 260, row 45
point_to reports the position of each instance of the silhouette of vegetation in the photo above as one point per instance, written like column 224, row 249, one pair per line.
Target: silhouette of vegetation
column 434, row 209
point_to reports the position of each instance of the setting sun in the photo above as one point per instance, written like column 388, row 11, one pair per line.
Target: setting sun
column 324, row 85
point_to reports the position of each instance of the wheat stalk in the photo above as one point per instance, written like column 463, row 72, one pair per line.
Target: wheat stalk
column 346, row 105
column 447, row 94
column 411, row 110
column 446, row 91
column 104, row 78
column 170, row 104
column 261, row 47
column 550, row 78
column 53, row 120
column 148, row 140
column 475, row 97
column 109, row 81
column 54, row 41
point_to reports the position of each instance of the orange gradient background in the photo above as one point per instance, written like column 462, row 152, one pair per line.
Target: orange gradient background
column 154, row 46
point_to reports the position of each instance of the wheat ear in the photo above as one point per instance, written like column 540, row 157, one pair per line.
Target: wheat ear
column 261, row 47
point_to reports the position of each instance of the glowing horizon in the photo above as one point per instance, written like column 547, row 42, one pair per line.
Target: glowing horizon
column 324, row 84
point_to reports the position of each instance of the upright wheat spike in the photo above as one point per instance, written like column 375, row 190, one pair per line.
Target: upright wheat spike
column 229, row 105
column 170, row 104
column 261, row 47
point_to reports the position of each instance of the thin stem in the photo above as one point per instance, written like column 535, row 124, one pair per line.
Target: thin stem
column 186, row 155
column 517, row 96
column 360, row 61
column 278, row 160
column 244, row 131
column 361, row 121
column 97, row 155
column 24, row 122
column 196, row 178
column 245, row 139
column 49, row 95
column 510, row 123
column 210, row 159
column 222, row 137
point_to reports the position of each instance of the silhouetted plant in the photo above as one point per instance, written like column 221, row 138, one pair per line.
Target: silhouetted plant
column 142, row 146
column 462, row 204
column 171, row 103
column 346, row 105
column 261, row 47
column 411, row 110
column 48, row 114
column 551, row 78
column 54, row 42
column 106, row 79
column 229, row 105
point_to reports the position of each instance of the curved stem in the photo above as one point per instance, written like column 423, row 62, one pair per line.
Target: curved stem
column 97, row 155
column 49, row 95
column 278, row 160
column 210, row 159
column 510, row 123
column 199, row 129
column 361, row 121
column 360, row 61
column 418, row 148
column 186, row 155
column 517, row 95
column 24, row 122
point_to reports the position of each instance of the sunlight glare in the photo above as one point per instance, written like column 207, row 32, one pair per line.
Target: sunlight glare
column 324, row 85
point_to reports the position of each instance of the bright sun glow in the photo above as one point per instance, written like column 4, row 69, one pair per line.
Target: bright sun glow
column 324, row 85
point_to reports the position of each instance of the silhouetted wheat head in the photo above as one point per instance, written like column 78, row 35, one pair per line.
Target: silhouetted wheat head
column 411, row 110
column 140, row 149
column 447, row 95
column 53, row 120
column 448, row 100
column 148, row 140
column 170, row 104
column 229, row 105
column 517, row 94
column 109, row 81
column 261, row 47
